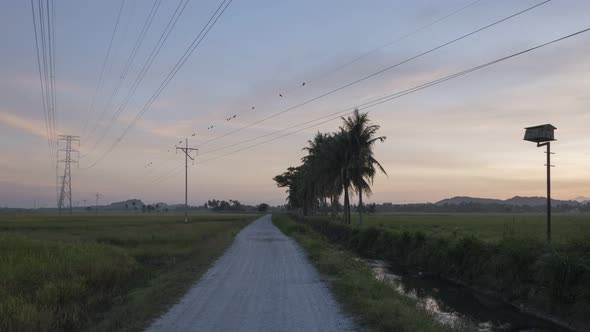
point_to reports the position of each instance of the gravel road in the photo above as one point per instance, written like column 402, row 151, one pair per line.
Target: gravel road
column 263, row 282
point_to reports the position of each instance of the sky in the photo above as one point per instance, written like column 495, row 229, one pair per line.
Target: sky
column 459, row 138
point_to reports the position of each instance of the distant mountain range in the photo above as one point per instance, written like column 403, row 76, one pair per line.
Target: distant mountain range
column 516, row 200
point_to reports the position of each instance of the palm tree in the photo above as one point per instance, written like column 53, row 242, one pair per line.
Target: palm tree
column 362, row 165
column 335, row 169
column 334, row 164
column 314, row 186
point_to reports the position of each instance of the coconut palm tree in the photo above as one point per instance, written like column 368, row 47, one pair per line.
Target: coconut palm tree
column 317, row 184
column 334, row 165
column 330, row 172
column 362, row 165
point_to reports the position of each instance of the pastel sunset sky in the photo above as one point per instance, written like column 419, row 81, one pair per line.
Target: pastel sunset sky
column 461, row 137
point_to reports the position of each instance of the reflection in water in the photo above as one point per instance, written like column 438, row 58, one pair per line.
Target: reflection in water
column 452, row 304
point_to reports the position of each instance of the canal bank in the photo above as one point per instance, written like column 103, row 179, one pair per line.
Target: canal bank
column 452, row 303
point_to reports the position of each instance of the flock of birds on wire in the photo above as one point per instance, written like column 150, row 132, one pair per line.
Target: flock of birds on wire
column 282, row 95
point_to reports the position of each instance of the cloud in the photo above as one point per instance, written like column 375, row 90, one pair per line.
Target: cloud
column 30, row 126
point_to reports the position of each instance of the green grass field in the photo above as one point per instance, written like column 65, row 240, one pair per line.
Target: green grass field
column 103, row 272
column 488, row 227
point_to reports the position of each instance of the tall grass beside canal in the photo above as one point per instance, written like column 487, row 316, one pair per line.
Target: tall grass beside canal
column 375, row 305
column 552, row 278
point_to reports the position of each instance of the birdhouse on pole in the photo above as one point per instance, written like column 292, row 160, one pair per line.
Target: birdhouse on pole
column 539, row 134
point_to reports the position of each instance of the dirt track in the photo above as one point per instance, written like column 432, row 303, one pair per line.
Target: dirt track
column 263, row 282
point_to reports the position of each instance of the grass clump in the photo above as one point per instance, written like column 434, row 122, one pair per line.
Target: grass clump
column 374, row 304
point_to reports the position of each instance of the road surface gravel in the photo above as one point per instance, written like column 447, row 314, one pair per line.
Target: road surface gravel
column 263, row 282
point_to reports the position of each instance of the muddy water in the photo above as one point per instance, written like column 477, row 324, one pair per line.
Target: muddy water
column 453, row 304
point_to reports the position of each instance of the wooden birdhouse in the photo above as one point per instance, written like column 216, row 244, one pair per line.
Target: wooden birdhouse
column 539, row 134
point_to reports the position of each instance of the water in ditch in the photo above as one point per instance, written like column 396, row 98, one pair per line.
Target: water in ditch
column 453, row 304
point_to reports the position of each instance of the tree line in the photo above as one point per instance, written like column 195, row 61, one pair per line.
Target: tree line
column 337, row 164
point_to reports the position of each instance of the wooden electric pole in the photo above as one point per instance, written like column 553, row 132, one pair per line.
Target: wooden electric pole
column 187, row 155
column 548, row 152
column 543, row 135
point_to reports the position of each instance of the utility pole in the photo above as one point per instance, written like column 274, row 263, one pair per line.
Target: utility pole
column 187, row 155
column 543, row 135
column 66, row 184
column 549, row 153
column 96, row 207
column 84, row 208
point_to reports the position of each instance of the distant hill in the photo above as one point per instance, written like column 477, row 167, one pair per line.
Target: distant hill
column 582, row 199
column 124, row 205
column 468, row 200
column 516, row 200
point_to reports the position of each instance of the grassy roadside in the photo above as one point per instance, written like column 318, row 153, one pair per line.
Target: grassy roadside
column 105, row 272
column 375, row 305
column 551, row 279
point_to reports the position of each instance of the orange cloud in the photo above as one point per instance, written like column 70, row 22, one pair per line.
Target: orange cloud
column 30, row 126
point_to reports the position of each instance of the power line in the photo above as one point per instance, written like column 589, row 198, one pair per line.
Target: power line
column 373, row 50
column 402, row 37
column 146, row 66
column 329, row 72
column 373, row 74
column 45, row 74
column 104, row 64
column 130, row 59
column 196, row 42
column 45, row 25
column 51, row 59
column 302, row 104
column 400, row 94
column 45, row 112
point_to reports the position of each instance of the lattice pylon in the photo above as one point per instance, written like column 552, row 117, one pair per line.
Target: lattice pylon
column 65, row 196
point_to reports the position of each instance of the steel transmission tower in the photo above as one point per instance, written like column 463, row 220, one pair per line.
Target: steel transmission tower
column 66, row 180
